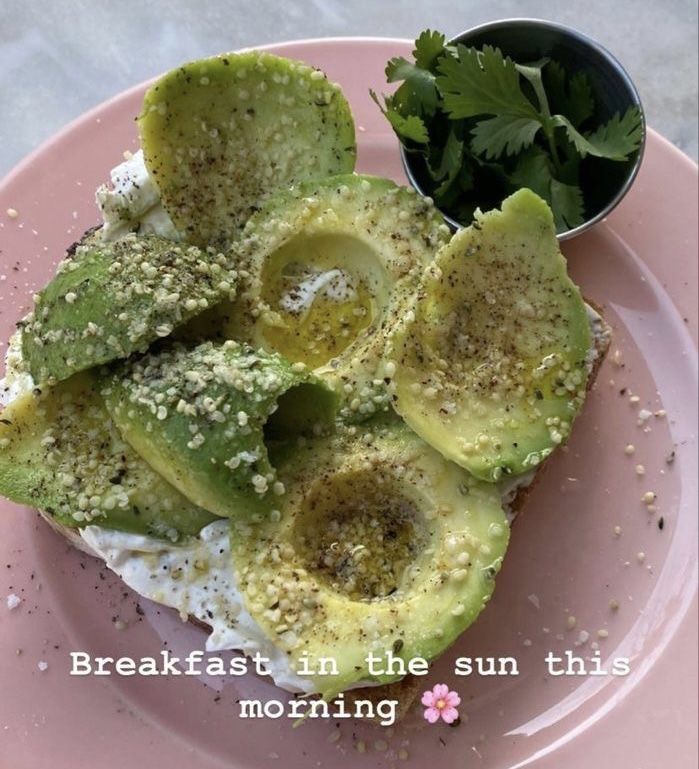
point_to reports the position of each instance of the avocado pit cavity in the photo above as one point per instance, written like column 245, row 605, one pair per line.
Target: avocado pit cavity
column 315, row 302
column 327, row 270
column 361, row 534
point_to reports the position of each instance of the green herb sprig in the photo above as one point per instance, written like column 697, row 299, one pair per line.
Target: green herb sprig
column 486, row 125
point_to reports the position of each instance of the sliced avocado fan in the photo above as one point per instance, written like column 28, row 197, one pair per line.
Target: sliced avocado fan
column 491, row 364
column 379, row 544
column 328, row 268
column 199, row 416
column 220, row 134
column 109, row 300
column 60, row 453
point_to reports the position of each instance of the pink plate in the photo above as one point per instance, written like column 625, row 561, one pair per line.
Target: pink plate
column 565, row 562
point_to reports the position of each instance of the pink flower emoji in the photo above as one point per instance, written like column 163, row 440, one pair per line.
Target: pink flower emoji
column 441, row 703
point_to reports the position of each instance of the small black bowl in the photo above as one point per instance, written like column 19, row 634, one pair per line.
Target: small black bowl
column 604, row 182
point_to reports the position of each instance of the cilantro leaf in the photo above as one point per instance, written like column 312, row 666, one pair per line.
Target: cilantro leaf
column 581, row 103
column 410, row 127
column 573, row 98
column 615, row 140
column 569, row 170
column 503, row 133
column 534, row 171
column 450, row 161
column 485, row 83
column 428, row 48
column 567, row 205
column 398, row 68
column 418, row 93
column 466, row 177
column 450, row 164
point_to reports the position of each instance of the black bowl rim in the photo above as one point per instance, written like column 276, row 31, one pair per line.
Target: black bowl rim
column 614, row 65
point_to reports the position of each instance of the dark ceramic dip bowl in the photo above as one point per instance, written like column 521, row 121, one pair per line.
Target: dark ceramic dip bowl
column 604, row 182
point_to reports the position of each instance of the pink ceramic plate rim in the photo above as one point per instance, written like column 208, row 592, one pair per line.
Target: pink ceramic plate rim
column 662, row 678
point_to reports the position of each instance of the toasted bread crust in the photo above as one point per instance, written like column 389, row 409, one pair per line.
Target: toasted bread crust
column 406, row 690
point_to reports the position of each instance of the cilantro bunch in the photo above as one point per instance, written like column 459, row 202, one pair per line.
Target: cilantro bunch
column 485, row 126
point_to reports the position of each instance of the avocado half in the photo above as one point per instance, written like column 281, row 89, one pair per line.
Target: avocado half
column 109, row 300
column 201, row 416
column 220, row 134
column 329, row 266
column 491, row 364
column 61, row 453
column 378, row 544
column 366, row 539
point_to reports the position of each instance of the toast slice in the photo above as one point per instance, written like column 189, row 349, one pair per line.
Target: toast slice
column 406, row 690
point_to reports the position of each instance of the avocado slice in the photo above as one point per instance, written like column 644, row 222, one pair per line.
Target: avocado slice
column 60, row 453
column 328, row 268
column 109, row 300
column 220, row 134
column 379, row 544
column 491, row 365
column 200, row 416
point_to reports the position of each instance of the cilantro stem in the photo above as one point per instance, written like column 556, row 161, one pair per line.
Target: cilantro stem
column 551, row 139
column 547, row 122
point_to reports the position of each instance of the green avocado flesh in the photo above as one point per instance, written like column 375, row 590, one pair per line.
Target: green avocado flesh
column 315, row 359
column 220, row 134
column 60, row 453
column 328, row 269
column 199, row 416
column 379, row 544
column 109, row 300
column 491, row 365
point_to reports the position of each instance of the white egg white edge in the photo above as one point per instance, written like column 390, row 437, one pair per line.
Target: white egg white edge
column 205, row 585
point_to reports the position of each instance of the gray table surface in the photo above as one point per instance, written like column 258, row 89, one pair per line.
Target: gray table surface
column 60, row 57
